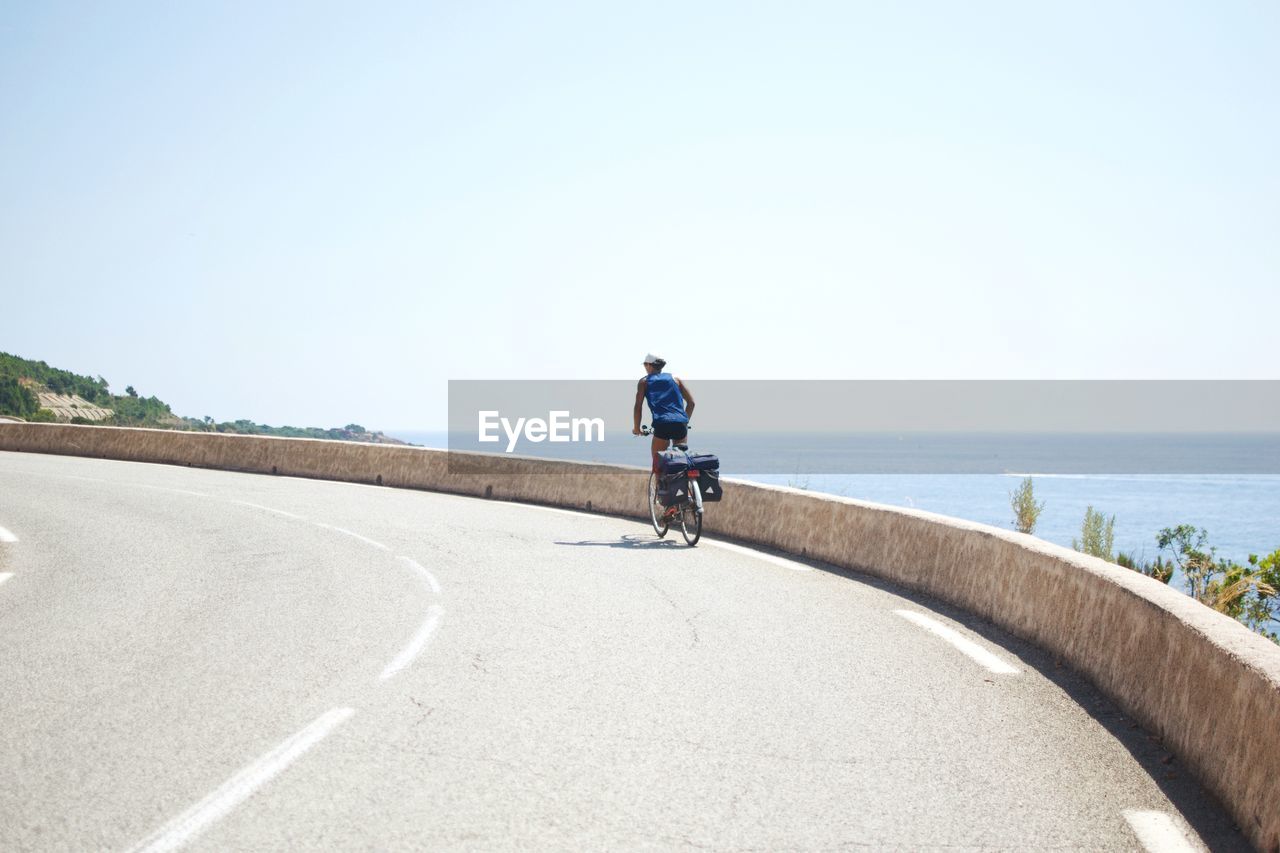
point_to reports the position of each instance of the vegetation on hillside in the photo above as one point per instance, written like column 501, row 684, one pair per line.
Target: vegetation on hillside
column 350, row 432
column 57, row 381
column 20, row 378
column 16, row 399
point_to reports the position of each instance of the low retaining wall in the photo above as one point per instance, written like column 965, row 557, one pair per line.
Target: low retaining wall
column 1208, row 686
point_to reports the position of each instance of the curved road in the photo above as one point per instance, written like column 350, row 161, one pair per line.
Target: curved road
column 240, row 662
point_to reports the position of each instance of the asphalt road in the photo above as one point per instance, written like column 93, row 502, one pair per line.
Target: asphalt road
column 241, row 662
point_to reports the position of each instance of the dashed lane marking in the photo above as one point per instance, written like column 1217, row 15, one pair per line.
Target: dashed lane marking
column 269, row 509
column 960, row 642
column 759, row 555
column 345, row 532
column 422, row 572
column 574, row 512
column 415, row 645
column 241, row 786
column 1159, row 832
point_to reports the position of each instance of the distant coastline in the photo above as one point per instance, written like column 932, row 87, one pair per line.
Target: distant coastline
column 34, row 391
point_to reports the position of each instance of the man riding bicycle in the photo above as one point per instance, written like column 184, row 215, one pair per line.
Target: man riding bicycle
column 676, row 498
column 670, row 404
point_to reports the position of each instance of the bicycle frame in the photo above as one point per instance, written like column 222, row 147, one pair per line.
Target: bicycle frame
column 695, row 489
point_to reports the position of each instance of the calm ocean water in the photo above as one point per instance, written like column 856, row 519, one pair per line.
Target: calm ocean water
column 1240, row 511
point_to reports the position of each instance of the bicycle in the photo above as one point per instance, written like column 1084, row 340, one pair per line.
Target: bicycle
column 688, row 510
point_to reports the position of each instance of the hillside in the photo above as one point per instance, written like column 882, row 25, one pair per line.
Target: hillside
column 34, row 391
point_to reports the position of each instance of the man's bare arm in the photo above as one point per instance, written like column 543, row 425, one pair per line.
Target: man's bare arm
column 639, row 409
column 688, row 398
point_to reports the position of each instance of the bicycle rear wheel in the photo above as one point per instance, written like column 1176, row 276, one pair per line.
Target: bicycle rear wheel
column 691, row 515
column 656, row 509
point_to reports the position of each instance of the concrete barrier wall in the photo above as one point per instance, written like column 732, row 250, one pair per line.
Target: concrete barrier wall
column 1206, row 684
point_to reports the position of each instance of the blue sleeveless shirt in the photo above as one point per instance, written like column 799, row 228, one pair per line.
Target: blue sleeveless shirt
column 665, row 400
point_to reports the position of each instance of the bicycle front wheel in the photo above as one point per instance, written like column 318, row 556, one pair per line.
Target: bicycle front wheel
column 657, row 512
column 691, row 515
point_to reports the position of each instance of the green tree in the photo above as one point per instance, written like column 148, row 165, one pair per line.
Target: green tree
column 1261, row 610
column 1189, row 549
column 1097, row 534
column 1244, row 592
column 1026, row 511
column 16, row 399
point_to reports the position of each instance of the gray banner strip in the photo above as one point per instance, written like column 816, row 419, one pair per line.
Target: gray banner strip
column 917, row 427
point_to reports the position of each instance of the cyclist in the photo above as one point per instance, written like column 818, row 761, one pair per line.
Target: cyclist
column 670, row 404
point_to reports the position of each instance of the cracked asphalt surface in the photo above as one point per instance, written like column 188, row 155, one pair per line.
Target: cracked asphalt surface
column 587, row 687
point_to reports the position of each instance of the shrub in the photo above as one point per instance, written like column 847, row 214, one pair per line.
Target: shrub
column 1026, row 511
column 1160, row 570
column 1097, row 534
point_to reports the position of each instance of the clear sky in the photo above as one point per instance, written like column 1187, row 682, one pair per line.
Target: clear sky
column 314, row 214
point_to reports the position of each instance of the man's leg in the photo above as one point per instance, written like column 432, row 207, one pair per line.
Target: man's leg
column 657, row 446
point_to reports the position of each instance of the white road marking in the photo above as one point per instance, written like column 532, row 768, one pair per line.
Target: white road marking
column 74, row 477
column 4, row 576
column 240, row 787
column 961, row 643
column 1159, row 832
column 344, row 531
column 426, row 575
column 760, row 555
column 170, row 489
column 269, row 509
column 6, row 536
column 415, row 645
column 124, row 483
column 575, row 512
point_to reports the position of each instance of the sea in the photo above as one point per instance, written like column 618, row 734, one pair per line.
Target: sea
column 1227, row 484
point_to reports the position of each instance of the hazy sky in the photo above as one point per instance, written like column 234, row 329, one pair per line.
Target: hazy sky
column 315, row 214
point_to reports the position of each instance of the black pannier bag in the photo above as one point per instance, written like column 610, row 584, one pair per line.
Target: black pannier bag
column 708, row 467
column 672, row 462
column 673, row 489
column 709, row 484
column 704, row 461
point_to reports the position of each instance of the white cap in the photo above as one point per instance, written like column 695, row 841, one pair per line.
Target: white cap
column 651, row 359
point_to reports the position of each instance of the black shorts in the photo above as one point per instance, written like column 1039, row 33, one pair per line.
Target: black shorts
column 672, row 431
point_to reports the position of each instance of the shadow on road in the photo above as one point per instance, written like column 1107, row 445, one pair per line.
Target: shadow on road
column 1201, row 809
column 1198, row 806
column 629, row 540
